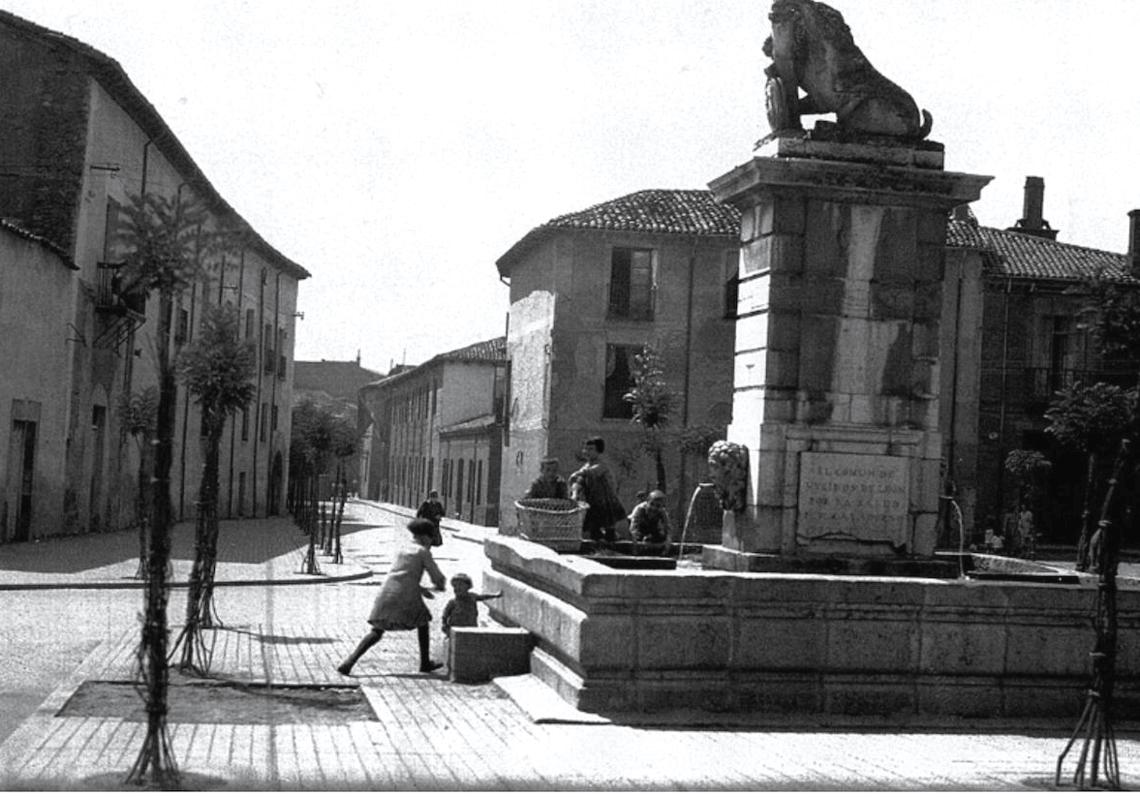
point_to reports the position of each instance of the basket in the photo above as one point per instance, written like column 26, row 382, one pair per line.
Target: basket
column 555, row 522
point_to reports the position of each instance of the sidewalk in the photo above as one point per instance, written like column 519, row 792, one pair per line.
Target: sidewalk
column 426, row 733
column 250, row 551
column 277, row 716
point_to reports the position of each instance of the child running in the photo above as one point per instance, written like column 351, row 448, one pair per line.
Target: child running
column 400, row 605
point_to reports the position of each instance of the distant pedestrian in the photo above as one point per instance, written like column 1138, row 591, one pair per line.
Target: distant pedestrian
column 549, row 483
column 462, row 611
column 649, row 522
column 432, row 509
column 400, row 605
column 594, row 484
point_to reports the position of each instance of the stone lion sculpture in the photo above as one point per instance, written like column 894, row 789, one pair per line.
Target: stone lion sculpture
column 811, row 48
column 728, row 470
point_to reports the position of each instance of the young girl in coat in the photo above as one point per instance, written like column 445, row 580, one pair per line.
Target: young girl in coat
column 400, row 605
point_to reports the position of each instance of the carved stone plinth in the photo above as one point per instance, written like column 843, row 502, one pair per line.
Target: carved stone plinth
column 836, row 380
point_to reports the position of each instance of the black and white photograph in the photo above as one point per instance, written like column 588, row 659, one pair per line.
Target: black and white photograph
column 569, row 395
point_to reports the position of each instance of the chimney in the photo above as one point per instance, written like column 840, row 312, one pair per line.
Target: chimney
column 1134, row 243
column 1032, row 220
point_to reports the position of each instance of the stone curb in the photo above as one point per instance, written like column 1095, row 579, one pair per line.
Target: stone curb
column 136, row 584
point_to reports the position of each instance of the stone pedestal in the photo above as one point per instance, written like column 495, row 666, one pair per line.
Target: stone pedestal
column 836, row 380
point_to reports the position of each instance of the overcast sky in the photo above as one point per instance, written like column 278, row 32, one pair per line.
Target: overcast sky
column 397, row 150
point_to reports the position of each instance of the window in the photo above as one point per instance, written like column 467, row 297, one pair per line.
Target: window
column 245, row 423
column 270, row 358
column 110, row 230
column 263, row 421
column 182, row 329
column 273, row 423
column 619, row 379
column 479, row 483
column 731, row 282
column 631, row 284
column 248, row 324
column 458, row 487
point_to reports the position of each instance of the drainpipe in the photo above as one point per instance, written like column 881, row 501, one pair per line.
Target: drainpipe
column 682, row 474
column 1002, row 405
column 951, row 488
column 233, row 426
column 260, row 379
column 277, row 341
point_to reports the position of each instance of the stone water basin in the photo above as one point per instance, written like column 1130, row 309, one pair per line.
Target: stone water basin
column 617, row 640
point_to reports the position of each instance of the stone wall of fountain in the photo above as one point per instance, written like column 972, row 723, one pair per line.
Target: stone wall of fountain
column 610, row 640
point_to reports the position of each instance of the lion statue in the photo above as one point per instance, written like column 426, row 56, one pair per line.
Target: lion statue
column 728, row 470
column 811, row 48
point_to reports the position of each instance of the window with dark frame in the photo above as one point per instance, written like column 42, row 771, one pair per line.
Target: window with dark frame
column 631, row 284
column 731, row 282
column 619, row 379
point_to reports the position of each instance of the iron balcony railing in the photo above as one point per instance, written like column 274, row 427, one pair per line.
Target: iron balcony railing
column 1042, row 384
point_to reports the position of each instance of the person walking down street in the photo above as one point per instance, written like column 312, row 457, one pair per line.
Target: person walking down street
column 462, row 611
column 649, row 523
column 594, row 484
column 549, row 483
column 400, row 605
column 432, row 509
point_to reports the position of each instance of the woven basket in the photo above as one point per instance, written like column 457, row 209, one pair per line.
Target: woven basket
column 556, row 522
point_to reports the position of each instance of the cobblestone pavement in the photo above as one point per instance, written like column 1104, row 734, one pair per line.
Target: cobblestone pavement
column 429, row 733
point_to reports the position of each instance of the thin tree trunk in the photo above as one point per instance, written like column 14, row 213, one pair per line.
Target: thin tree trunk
column 1083, row 561
column 155, row 764
column 199, row 597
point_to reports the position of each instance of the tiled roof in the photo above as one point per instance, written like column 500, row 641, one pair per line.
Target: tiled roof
column 685, row 212
column 52, row 246
column 487, row 351
column 115, row 80
column 660, row 211
column 1019, row 255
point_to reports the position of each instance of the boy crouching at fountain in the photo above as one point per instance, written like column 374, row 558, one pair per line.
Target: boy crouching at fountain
column 462, row 611
column 649, row 523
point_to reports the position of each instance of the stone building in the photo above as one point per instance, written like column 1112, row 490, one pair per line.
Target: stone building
column 439, row 426
column 335, row 385
column 1013, row 334
column 78, row 141
column 589, row 290
column 1010, row 328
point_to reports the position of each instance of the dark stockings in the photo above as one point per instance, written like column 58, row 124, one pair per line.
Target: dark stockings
column 374, row 636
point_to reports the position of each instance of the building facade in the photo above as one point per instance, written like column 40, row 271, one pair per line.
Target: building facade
column 1014, row 333
column 588, row 291
column 80, row 142
column 335, row 385
column 439, row 426
column 659, row 267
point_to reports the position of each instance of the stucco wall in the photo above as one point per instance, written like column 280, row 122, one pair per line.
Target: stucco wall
column 529, row 350
column 689, row 328
column 35, row 305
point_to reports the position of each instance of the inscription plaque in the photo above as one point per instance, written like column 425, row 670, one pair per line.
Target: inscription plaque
column 856, row 497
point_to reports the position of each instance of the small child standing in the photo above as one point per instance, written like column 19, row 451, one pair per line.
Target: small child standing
column 462, row 611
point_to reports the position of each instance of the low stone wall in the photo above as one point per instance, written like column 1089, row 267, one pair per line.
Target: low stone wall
column 610, row 640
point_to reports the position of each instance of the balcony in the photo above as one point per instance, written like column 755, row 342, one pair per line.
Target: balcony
column 118, row 311
column 1042, row 384
column 110, row 297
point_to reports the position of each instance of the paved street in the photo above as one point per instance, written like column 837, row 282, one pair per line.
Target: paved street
column 427, row 732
